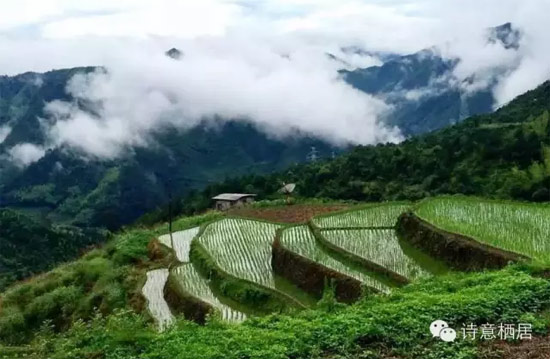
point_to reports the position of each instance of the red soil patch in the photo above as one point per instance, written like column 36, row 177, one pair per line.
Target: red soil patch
column 297, row 213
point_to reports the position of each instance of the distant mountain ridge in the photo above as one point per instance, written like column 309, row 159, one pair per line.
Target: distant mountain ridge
column 423, row 90
column 505, row 155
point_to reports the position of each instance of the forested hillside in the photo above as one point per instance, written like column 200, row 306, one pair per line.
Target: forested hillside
column 28, row 247
column 505, row 155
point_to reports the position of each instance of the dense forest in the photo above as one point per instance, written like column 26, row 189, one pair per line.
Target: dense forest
column 503, row 155
column 28, row 247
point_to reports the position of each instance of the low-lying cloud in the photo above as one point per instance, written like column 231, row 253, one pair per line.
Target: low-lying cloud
column 24, row 154
column 282, row 93
column 4, row 132
column 262, row 62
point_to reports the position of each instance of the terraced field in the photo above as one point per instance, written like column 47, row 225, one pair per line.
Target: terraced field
column 182, row 242
column 242, row 248
column 196, row 286
column 375, row 215
column 153, row 291
column 517, row 227
column 380, row 246
column 300, row 240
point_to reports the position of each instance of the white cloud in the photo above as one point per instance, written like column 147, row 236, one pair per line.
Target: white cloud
column 4, row 132
column 279, row 93
column 146, row 18
column 25, row 153
column 263, row 61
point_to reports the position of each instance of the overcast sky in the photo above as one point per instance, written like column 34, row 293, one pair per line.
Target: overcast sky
column 39, row 35
column 261, row 60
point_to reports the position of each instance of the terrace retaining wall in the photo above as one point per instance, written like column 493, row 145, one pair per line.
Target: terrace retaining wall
column 313, row 277
column 254, row 295
column 458, row 251
column 180, row 302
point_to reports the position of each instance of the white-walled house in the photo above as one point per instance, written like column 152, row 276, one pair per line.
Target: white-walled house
column 226, row 201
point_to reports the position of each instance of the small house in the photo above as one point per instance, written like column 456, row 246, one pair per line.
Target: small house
column 226, row 201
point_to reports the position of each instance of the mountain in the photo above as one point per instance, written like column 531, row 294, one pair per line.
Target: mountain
column 505, row 154
column 174, row 53
column 423, row 89
column 87, row 192
column 64, row 187
column 506, row 35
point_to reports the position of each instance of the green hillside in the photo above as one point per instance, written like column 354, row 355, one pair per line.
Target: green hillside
column 93, row 307
column 28, row 247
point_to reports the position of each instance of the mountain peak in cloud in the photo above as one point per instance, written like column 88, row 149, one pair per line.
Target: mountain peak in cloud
column 506, row 34
column 174, row 53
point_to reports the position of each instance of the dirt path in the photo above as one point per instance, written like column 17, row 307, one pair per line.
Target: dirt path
column 297, row 213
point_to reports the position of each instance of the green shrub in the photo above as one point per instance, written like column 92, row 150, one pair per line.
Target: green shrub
column 18, row 295
column 12, row 325
column 376, row 327
column 131, row 247
column 89, row 271
column 57, row 305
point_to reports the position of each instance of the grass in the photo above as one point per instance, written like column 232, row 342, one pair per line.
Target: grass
column 514, row 226
column 185, row 222
column 300, row 240
column 394, row 326
column 104, row 280
column 242, row 248
column 380, row 246
column 192, row 283
column 373, row 215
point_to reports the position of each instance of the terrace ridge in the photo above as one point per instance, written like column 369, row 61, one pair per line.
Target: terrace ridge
column 205, row 263
column 311, row 276
column 352, row 257
column 457, row 250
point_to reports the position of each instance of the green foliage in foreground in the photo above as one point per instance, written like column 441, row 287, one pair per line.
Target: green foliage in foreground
column 375, row 327
column 515, row 226
column 103, row 280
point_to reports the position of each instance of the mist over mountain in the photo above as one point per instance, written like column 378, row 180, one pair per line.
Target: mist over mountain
column 425, row 92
